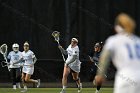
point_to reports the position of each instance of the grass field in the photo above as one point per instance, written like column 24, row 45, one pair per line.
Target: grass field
column 55, row 90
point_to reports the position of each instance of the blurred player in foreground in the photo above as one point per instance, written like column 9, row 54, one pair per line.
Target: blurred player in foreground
column 72, row 64
column 15, row 70
column 28, row 68
column 124, row 50
column 94, row 58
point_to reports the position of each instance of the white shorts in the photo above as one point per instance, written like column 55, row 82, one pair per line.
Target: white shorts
column 28, row 70
column 127, row 82
column 75, row 66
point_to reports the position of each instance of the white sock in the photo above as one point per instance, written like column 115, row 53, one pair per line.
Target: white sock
column 64, row 87
column 79, row 85
column 14, row 86
column 25, row 87
column 18, row 85
column 97, row 90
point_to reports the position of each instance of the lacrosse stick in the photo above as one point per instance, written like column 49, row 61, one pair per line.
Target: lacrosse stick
column 3, row 51
column 91, row 59
column 4, row 64
column 56, row 35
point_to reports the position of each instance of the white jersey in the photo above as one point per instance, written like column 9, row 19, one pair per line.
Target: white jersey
column 125, row 54
column 75, row 66
column 14, row 57
column 125, row 51
column 28, row 57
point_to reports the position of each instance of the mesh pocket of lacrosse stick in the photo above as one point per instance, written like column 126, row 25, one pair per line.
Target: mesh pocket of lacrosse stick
column 56, row 35
column 3, row 49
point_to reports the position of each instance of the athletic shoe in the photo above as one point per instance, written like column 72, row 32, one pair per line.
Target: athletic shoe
column 18, row 85
column 94, row 82
column 97, row 91
column 38, row 83
column 80, row 88
column 63, row 91
column 14, row 87
column 23, row 91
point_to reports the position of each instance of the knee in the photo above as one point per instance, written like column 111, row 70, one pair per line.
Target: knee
column 75, row 78
column 26, row 80
column 22, row 78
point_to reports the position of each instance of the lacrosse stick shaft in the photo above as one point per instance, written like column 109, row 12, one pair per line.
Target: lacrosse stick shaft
column 61, row 52
column 56, row 35
column 97, row 66
column 100, row 69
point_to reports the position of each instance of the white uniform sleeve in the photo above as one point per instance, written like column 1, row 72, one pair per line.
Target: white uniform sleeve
column 32, row 55
column 9, row 56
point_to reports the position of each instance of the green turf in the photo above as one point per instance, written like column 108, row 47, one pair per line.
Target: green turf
column 54, row 90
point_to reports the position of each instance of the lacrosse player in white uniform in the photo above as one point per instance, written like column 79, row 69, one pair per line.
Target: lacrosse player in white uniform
column 72, row 64
column 28, row 67
column 15, row 70
column 124, row 50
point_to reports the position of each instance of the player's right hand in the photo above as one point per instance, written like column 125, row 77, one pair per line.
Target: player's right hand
column 60, row 47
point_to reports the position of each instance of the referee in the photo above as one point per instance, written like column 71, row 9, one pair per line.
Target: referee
column 15, row 70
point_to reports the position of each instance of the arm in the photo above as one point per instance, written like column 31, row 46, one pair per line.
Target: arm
column 63, row 50
column 19, row 61
column 9, row 57
column 103, row 64
column 34, row 60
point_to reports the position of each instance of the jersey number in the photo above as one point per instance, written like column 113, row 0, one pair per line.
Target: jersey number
column 136, row 53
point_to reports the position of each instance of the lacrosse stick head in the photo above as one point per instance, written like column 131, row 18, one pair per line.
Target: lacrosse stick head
column 4, row 64
column 3, row 49
column 56, row 35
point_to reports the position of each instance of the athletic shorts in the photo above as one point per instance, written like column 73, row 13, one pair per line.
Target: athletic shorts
column 75, row 67
column 28, row 70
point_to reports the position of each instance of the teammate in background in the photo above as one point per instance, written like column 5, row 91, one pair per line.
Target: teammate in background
column 72, row 64
column 15, row 70
column 124, row 50
column 28, row 68
column 95, row 55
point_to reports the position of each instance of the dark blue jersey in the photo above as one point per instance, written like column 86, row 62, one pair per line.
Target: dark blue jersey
column 93, row 67
column 96, row 57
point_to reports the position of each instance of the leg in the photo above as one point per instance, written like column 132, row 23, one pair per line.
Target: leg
column 28, row 80
column 65, row 75
column 18, row 77
column 76, row 77
column 64, row 79
column 13, row 77
column 98, row 86
column 77, row 80
column 23, row 80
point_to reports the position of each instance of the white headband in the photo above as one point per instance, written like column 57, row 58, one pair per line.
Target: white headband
column 75, row 39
